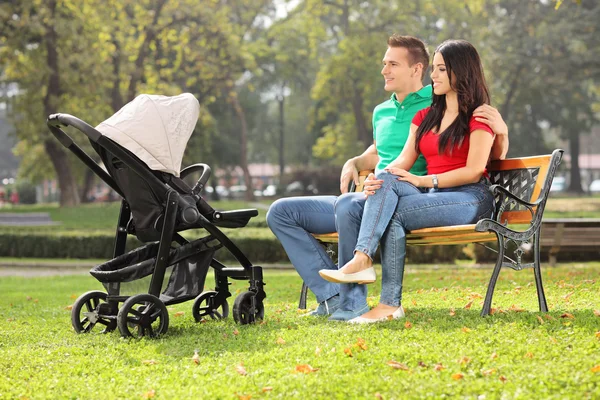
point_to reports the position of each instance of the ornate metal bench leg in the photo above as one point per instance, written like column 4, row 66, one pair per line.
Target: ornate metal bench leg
column 537, row 272
column 303, row 294
column 487, row 304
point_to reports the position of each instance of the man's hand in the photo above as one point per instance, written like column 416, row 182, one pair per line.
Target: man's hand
column 349, row 173
column 371, row 184
column 490, row 116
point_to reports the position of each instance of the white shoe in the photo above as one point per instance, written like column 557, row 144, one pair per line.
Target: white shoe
column 399, row 313
column 335, row 275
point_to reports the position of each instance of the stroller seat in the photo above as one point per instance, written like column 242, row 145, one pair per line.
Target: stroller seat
column 141, row 147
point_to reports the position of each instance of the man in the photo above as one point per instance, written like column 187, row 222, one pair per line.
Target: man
column 294, row 219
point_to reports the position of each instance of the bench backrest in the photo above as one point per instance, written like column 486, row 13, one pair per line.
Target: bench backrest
column 527, row 177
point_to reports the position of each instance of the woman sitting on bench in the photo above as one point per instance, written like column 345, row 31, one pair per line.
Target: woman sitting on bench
column 455, row 191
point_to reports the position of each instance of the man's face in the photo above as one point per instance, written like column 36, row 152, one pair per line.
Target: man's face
column 396, row 71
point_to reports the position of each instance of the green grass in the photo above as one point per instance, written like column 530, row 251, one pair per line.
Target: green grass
column 509, row 355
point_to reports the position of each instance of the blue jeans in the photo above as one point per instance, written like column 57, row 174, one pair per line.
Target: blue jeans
column 294, row 219
column 398, row 207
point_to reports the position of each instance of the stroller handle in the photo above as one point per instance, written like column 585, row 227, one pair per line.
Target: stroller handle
column 55, row 121
column 204, row 176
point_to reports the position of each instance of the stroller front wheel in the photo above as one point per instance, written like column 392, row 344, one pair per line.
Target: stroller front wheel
column 206, row 305
column 247, row 309
column 88, row 311
column 143, row 315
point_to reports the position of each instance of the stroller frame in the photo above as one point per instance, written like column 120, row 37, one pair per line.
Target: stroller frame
column 147, row 312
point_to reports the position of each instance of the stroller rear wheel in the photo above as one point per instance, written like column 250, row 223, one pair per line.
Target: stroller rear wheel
column 247, row 309
column 143, row 315
column 86, row 312
column 206, row 304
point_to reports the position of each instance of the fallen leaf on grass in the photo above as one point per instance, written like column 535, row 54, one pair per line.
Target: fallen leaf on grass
column 150, row 394
column 502, row 378
column 422, row 364
column 469, row 304
column 407, row 325
column 595, row 369
column 549, row 317
column 149, row 362
column 360, row 343
column 465, row 329
column 528, row 355
column 540, row 320
column 267, row 389
column 452, row 312
column 567, row 296
column 280, row 340
column 179, row 314
column 236, row 332
column 553, row 340
column 494, row 355
column 516, row 308
column 73, row 296
column 241, row 370
column 598, row 334
column 439, row 367
column 458, row 376
column 196, row 357
column 597, row 313
column 378, row 396
column 243, row 396
column 464, row 360
column 29, row 298
column 489, row 372
column 567, row 315
column 69, row 307
column 305, row 369
column 398, row 365
column 348, row 351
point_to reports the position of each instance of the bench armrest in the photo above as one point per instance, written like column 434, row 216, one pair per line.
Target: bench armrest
column 497, row 189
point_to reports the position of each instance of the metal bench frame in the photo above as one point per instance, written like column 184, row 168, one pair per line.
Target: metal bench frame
column 520, row 187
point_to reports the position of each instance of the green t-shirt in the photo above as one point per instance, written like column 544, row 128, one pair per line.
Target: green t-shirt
column 391, row 126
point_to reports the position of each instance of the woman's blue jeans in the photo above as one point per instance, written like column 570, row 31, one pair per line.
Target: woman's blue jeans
column 398, row 207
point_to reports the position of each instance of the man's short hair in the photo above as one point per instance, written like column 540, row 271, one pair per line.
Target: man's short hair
column 417, row 51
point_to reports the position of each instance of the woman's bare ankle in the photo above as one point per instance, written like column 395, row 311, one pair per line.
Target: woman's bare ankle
column 359, row 262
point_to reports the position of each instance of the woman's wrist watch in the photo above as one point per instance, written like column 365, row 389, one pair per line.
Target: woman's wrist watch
column 435, row 181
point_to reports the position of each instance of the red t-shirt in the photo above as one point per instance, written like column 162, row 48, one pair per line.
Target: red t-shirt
column 439, row 163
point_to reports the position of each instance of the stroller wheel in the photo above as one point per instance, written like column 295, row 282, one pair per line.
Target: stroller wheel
column 86, row 312
column 143, row 315
column 206, row 305
column 246, row 309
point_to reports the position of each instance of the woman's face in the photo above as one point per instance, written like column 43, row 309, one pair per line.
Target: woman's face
column 439, row 76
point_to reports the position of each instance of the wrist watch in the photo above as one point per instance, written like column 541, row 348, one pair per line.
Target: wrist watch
column 435, row 181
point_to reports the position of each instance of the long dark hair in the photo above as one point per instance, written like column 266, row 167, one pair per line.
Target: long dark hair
column 461, row 58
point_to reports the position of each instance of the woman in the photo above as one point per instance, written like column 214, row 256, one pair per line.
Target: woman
column 454, row 192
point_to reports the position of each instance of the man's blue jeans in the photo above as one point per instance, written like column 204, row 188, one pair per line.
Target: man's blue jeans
column 398, row 207
column 294, row 219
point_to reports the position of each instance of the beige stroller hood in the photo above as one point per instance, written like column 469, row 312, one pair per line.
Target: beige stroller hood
column 155, row 128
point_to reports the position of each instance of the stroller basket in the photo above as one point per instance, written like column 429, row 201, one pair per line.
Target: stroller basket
column 189, row 263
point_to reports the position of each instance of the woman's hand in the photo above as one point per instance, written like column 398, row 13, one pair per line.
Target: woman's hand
column 371, row 184
column 404, row 175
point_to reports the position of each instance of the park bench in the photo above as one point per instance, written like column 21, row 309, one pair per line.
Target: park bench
column 521, row 187
column 570, row 235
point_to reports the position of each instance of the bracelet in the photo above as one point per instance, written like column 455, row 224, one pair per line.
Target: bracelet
column 435, row 181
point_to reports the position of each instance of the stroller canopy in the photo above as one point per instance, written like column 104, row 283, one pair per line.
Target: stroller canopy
column 155, row 128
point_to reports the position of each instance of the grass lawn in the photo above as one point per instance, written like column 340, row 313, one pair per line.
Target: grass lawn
column 442, row 349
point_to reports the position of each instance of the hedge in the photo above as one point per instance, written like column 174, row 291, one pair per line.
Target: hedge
column 258, row 244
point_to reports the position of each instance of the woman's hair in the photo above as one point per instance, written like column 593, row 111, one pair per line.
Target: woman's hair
column 465, row 73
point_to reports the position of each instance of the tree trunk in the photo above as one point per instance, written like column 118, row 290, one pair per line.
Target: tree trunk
column 243, row 147
column 281, row 100
column 88, row 182
column 575, row 172
column 66, row 182
column 364, row 134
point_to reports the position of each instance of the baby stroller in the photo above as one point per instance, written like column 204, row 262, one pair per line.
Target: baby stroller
column 141, row 147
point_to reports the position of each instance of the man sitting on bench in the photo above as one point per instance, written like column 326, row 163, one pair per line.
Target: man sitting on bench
column 294, row 220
